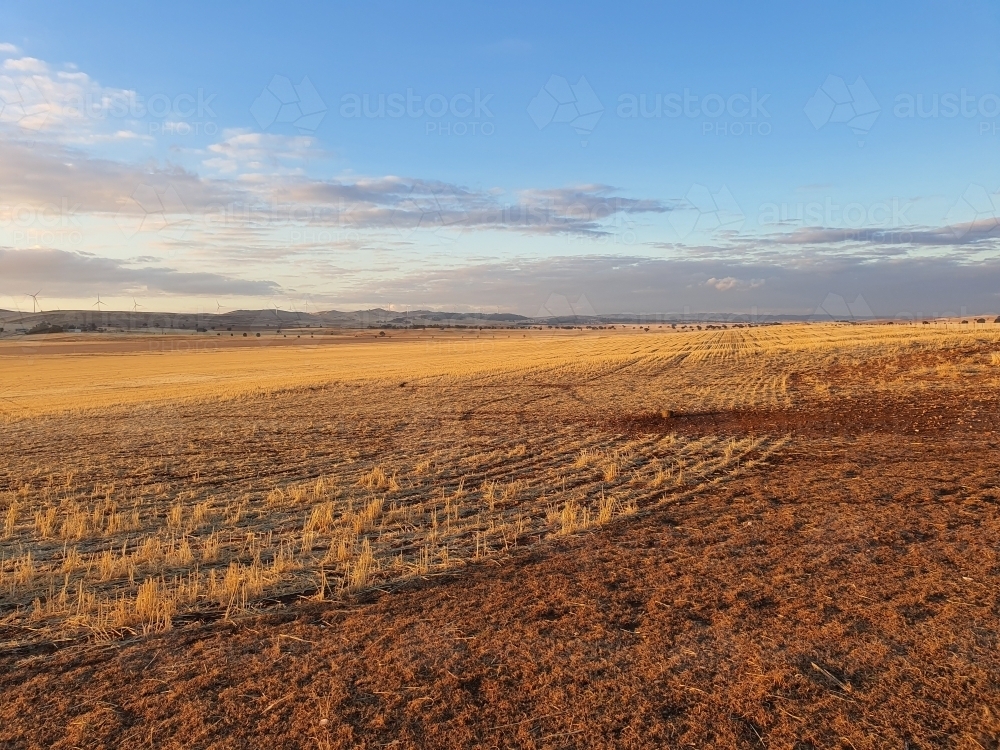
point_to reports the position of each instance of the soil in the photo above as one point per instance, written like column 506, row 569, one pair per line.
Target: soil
column 845, row 594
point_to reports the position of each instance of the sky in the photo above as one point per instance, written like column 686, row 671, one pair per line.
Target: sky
column 666, row 157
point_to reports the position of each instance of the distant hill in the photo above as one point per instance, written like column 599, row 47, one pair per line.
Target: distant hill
column 273, row 319
column 251, row 319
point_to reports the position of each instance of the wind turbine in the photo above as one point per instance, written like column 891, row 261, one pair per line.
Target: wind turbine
column 218, row 307
column 135, row 311
column 35, row 307
column 99, row 303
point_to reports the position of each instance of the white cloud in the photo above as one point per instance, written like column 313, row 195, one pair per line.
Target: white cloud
column 57, row 175
column 65, row 106
column 730, row 282
column 246, row 151
column 25, row 65
column 6, row 48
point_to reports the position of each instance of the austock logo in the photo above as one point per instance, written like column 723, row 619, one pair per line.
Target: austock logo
column 281, row 101
column 441, row 213
column 835, row 307
column 950, row 105
column 461, row 114
column 977, row 210
column 881, row 221
column 23, row 103
column 836, row 101
column 733, row 115
column 181, row 114
column 559, row 101
column 561, row 306
column 160, row 211
column 701, row 210
column 45, row 224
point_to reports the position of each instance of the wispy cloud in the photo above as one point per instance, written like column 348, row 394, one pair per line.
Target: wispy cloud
column 730, row 283
column 55, row 174
column 24, row 65
column 245, row 153
column 976, row 233
column 233, row 201
column 64, row 106
column 70, row 274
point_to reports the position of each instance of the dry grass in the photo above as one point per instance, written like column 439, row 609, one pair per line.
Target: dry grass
column 154, row 370
column 216, row 488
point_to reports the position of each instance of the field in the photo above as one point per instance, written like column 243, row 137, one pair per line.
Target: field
column 781, row 536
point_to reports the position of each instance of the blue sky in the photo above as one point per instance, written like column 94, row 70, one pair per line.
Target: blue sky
column 651, row 158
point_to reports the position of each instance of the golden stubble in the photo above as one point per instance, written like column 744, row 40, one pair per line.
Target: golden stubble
column 211, row 485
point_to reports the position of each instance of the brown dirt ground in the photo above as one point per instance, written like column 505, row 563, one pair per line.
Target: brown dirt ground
column 845, row 595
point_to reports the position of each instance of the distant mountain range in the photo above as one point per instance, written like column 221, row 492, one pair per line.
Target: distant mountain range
column 250, row 320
